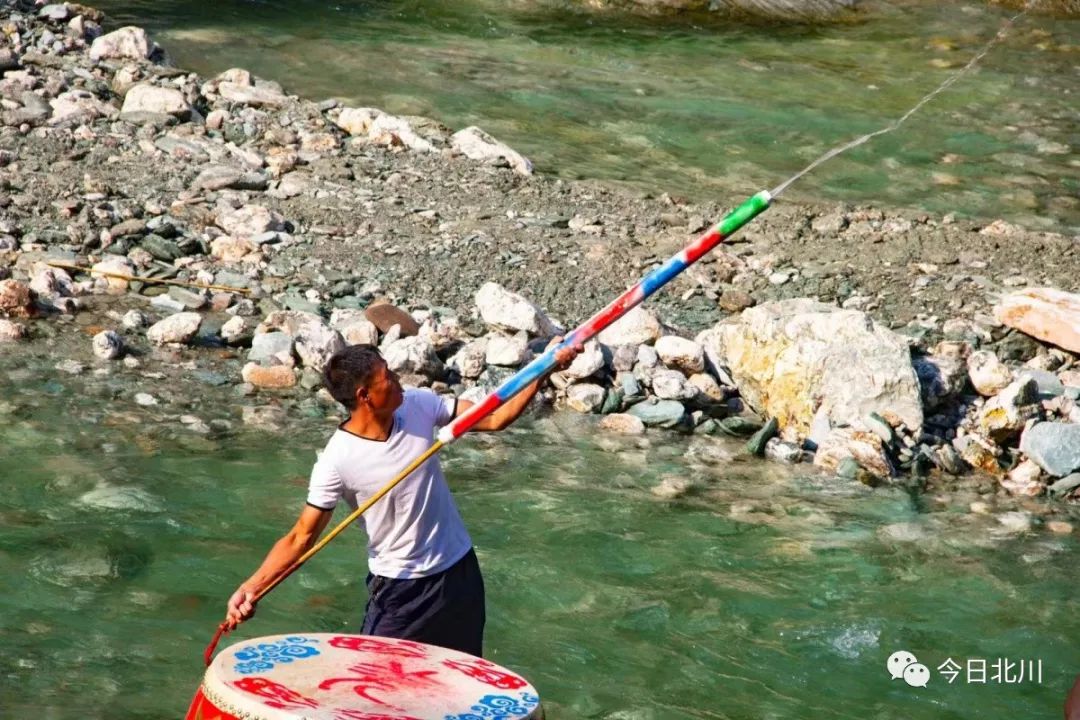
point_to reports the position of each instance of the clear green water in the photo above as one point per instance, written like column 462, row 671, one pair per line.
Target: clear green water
column 698, row 107
column 765, row 594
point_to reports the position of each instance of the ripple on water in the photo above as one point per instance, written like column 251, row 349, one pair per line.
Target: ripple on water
column 114, row 497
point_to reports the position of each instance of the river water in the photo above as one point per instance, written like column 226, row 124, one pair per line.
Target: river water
column 764, row 593
column 697, row 107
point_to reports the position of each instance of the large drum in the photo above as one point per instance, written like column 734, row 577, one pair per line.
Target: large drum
column 321, row 676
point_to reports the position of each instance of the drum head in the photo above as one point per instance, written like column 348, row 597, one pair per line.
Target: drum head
column 357, row 677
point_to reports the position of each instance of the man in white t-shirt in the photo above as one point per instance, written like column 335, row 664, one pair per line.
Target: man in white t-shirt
column 424, row 582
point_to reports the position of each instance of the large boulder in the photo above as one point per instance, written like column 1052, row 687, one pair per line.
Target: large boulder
column 316, row 344
column 145, row 97
column 1050, row 315
column 474, row 143
column 127, row 43
column 506, row 310
column 178, row 328
column 793, row 358
column 413, row 356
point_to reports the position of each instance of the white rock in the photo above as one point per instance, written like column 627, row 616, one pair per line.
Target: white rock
column 128, row 42
column 469, row 361
column 178, row 328
column 357, row 121
column 316, row 344
column 254, row 95
column 234, row 329
column 672, row 487
column 672, row 385
column 506, row 310
column 476, row 144
column 78, row 106
column 357, row 331
column 793, row 357
column 1015, row 521
column 248, row 221
column 114, row 264
column 989, row 376
column 707, row 387
column 1050, row 315
column 1023, row 480
column 647, row 357
column 389, row 129
column 145, row 399
column 413, row 356
column 287, row 321
column 108, row 345
column 145, row 97
column 865, row 447
column 784, row 452
column 585, row 397
column 681, row 354
column 507, row 350
column 623, row 423
column 229, row 249
column 11, row 331
column 588, row 362
column 51, row 282
column 637, row 327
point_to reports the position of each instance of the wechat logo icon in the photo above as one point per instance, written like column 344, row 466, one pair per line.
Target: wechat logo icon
column 903, row 665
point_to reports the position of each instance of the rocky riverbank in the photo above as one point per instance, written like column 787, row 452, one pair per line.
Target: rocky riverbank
column 880, row 345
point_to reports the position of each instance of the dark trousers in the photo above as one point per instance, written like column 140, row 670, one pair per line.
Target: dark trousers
column 446, row 609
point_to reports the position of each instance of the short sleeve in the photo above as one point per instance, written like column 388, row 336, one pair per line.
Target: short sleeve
column 440, row 408
column 325, row 487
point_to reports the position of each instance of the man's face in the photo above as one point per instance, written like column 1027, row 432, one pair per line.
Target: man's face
column 383, row 392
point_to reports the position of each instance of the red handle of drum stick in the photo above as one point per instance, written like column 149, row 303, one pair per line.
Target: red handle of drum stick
column 208, row 654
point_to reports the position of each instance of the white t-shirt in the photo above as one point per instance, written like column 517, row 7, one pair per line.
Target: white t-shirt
column 415, row 530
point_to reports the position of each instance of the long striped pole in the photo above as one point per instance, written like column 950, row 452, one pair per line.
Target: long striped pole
column 615, row 310
column 539, row 366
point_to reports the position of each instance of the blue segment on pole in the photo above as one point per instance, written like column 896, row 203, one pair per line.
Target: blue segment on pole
column 541, row 364
column 661, row 275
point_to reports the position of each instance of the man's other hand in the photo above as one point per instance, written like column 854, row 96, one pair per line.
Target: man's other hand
column 564, row 357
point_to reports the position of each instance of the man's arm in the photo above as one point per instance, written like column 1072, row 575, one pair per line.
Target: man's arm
column 504, row 415
column 286, row 551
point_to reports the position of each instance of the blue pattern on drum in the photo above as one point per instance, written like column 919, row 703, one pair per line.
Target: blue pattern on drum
column 256, row 658
column 492, row 707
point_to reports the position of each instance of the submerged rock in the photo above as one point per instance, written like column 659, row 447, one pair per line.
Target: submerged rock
column 108, row 345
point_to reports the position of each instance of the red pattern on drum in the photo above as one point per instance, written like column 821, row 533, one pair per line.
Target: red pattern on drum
column 362, row 715
column 274, row 694
column 487, row 672
column 391, row 677
column 398, row 648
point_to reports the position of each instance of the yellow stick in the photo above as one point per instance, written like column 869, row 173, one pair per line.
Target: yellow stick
column 161, row 281
column 420, row 460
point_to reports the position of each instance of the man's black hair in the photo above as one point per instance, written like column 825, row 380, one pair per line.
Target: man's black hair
column 350, row 369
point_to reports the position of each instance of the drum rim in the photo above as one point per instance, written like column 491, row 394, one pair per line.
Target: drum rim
column 225, row 697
